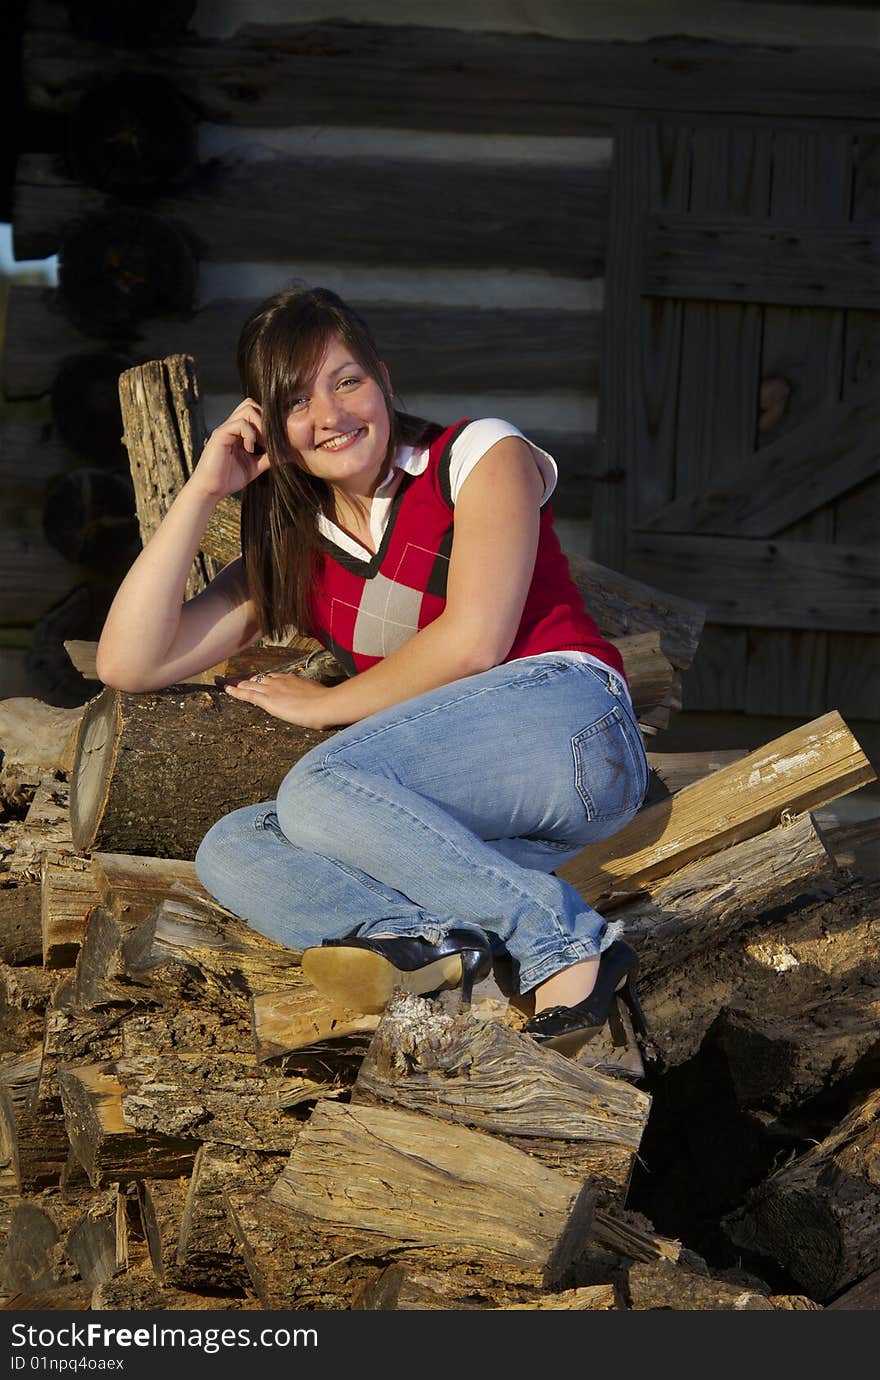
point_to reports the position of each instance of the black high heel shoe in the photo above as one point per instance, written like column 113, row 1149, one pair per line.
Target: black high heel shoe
column 363, row 974
column 568, row 1028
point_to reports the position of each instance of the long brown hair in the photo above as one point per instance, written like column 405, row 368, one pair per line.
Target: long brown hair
column 279, row 350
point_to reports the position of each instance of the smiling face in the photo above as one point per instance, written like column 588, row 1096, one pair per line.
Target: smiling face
column 340, row 425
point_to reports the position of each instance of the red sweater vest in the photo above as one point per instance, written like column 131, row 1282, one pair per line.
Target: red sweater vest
column 364, row 609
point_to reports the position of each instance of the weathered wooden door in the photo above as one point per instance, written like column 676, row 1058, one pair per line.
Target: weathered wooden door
column 740, row 411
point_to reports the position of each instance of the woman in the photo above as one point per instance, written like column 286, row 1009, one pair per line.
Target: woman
column 490, row 731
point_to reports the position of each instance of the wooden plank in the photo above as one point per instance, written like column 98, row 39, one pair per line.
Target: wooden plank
column 360, row 210
column 717, row 397
column 131, row 887
column 428, row 348
column 430, row 78
column 798, row 771
column 853, row 671
column 642, row 339
column 816, row 462
column 778, row 584
column 803, row 349
column 781, row 261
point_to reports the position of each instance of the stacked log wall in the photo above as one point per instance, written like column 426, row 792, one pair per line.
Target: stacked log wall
column 485, row 176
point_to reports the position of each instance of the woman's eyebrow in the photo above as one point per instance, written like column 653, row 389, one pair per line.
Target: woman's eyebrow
column 348, row 364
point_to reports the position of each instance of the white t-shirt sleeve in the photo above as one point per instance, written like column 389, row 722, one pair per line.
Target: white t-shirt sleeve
column 477, row 438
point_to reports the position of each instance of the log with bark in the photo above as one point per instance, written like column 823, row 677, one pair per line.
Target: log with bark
column 819, row 1216
column 68, row 894
column 146, row 778
column 468, row 1195
column 480, row 1074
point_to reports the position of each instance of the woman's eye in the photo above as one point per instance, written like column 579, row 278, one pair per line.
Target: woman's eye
column 352, row 379
column 296, row 404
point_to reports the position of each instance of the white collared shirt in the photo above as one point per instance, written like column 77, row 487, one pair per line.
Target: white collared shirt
column 468, row 449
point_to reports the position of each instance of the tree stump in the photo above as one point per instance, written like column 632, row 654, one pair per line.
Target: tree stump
column 819, row 1217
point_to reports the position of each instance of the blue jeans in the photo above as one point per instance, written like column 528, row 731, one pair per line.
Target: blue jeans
column 449, row 810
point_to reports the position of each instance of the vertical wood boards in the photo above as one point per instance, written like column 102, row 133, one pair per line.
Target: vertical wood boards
column 697, row 390
column 718, row 392
column 812, row 179
column 642, row 338
column 854, row 662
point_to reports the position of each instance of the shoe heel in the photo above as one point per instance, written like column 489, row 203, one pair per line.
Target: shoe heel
column 474, row 967
column 630, row 995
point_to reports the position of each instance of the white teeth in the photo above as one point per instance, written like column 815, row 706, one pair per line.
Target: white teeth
column 340, row 440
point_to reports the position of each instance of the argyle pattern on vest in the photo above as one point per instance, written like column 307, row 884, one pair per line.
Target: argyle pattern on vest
column 364, row 609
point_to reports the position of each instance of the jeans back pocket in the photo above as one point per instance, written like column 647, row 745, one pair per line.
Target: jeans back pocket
column 610, row 767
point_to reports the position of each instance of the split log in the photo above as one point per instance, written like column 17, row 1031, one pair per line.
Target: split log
column 160, row 1205
column 220, row 1098
column 777, row 1061
column 207, row 1253
column 132, row 887
column 70, row 1038
column 20, row 1075
column 819, row 1216
column 34, row 1140
column 40, row 735
column 630, row 1235
column 467, row 1194
column 26, row 988
column 224, row 956
column 46, row 826
column 164, row 434
column 100, row 971
column 811, row 968
column 623, row 606
column 705, row 902
column 66, row 1297
column 662, row 1285
column 185, row 1029
column 152, row 771
column 97, row 1243
column 107, row 1147
column 31, row 1263
column 403, row 1289
column 795, row 1303
column 20, row 933
column 137, row 1290
column 295, row 1263
column 302, row 1019
column 802, row 769
column 67, row 895
column 483, row 1075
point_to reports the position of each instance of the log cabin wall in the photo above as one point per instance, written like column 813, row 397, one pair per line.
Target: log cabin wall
column 452, row 174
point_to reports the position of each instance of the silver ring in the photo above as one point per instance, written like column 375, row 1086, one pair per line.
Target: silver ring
column 260, row 678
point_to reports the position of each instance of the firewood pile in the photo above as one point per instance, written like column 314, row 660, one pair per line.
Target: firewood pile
column 185, row 1123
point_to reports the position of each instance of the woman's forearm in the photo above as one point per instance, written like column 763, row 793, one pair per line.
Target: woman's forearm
column 436, row 655
column 145, row 616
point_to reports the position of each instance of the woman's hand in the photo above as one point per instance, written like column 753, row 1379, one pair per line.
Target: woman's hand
column 286, row 696
column 234, row 453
